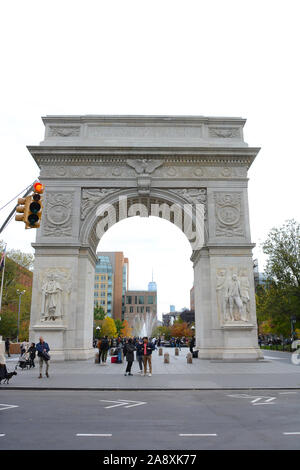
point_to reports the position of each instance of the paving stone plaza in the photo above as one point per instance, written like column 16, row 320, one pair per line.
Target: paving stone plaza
column 275, row 371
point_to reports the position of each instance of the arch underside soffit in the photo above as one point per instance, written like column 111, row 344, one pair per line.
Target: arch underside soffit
column 102, row 208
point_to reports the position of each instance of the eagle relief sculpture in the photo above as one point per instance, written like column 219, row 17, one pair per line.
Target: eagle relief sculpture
column 144, row 166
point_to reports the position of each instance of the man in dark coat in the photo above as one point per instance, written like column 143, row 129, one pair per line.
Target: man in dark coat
column 42, row 347
column 104, row 347
column 129, row 352
column 192, row 344
column 7, row 346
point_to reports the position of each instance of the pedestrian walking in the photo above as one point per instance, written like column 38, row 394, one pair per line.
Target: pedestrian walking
column 104, row 347
column 99, row 349
column 192, row 344
column 7, row 346
column 139, row 354
column 43, row 349
column 147, row 355
column 129, row 352
column 32, row 354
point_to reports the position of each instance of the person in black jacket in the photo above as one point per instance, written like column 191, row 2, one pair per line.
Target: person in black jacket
column 139, row 354
column 7, row 346
column 192, row 344
column 147, row 349
column 104, row 347
column 129, row 352
column 32, row 354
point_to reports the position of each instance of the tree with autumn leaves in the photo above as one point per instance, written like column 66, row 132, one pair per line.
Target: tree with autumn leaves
column 278, row 299
column 109, row 326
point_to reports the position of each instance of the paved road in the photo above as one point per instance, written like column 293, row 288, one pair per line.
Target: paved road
column 166, row 420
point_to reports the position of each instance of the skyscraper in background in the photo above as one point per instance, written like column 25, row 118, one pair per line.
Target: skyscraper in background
column 111, row 283
column 152, row 285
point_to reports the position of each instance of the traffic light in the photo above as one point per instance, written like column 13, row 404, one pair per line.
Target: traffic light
column 35, row 207
column 29, row 208
column 22, row 209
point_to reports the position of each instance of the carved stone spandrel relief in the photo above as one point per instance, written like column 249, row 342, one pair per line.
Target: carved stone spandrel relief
column 229, row 214
column 58, row 215
column 91, row 197
column 233, row 295
column 55, row 285
column 193, row 196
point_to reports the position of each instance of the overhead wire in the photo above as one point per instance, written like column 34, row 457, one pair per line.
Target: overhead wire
column 7, row 204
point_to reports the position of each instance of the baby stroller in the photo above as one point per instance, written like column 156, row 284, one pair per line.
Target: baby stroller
column 24, row 361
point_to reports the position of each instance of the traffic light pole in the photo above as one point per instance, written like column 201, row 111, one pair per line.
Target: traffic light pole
column 14, row 210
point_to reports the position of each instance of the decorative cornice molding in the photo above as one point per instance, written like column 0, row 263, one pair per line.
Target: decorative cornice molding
column 94, row 155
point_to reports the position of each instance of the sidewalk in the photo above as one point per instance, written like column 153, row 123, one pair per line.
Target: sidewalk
column 275, row 372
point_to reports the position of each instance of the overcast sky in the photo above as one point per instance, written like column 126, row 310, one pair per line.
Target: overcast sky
column 213, row 58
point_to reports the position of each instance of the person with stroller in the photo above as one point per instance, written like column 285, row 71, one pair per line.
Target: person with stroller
column 43, row 349
column 32, row 354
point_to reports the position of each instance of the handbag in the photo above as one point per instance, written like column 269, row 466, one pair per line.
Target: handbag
column 46, row 356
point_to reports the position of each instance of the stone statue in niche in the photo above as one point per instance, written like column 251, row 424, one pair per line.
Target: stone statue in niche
column 233, row 295
column 56, row 286
column 52, row 299
column 234, row 298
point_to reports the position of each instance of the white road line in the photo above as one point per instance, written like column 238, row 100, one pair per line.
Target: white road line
column 197, row 435
column 287, row 393
column 93, row 435
column 291, row 433
column 7, row 407
column 2, row 435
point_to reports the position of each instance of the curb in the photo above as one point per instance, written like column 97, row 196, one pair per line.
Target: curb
column 148, row 389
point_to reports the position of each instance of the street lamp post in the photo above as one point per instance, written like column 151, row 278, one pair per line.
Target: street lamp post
column 19, row 293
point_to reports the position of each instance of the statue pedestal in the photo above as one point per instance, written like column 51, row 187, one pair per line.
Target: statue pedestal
column 54, row 335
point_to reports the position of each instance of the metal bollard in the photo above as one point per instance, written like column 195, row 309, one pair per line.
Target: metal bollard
column 160, row 351
column 176, row 352
column 189, row 358
column 167, row 358
column 97, row 358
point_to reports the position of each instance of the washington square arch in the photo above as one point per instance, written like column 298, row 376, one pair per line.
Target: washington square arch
column 98, row 170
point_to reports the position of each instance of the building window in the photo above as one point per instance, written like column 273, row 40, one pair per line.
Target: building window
column 131, row 309
column 141, row 299
column 129, row 299
column 150, row 299
column 148, row 310
column 142, row 309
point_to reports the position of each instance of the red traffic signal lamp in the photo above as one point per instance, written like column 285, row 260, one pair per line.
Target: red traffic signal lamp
column 38, row 187
column 30, row 208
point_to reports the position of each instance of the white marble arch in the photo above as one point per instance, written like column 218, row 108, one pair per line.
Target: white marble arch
column 88, row 161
